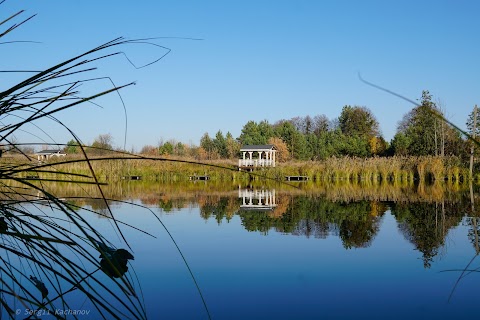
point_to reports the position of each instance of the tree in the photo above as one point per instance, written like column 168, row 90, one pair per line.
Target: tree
column 471, row 120
column 400, row 144
column 180, row 149
column 473, row 127
column 166, row 148
column 233, row 147
column 320, row 124
column 427, row 132
column 220, row 145
column 378, row 146
column 201, row 154
column 358, row 121
column 354, row 146
column 361, row 131
column 71, row 147
column 149, row 150
column 303, row 125
column 208, row 146
column 256, row 133
column 419, row 126
column 296, row 142
column 102, row 143
column 282, row 154
column 266, row 131
column 328, row 144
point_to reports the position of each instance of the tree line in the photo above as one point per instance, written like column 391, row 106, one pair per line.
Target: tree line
column 355, row 133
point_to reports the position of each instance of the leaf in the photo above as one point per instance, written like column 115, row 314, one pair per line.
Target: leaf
column 3, row 225
column 123, row 254
column 40, row 286
column 105, row 251
column 115, row 265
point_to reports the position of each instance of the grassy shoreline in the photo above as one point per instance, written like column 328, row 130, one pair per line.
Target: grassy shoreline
column 403, row 170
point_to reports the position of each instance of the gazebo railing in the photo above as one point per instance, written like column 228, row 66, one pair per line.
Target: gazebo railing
column 255, row 163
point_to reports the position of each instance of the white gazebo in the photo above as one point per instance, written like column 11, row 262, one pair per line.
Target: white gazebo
column 47, row 154
column 257, row 156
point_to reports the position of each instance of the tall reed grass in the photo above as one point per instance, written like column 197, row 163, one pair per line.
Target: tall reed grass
column 400, row 170
column 50, row 255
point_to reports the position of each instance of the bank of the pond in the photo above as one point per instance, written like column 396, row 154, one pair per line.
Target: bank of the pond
column 400, row 169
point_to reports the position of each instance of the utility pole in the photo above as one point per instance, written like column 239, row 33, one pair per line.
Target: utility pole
column 473, row 138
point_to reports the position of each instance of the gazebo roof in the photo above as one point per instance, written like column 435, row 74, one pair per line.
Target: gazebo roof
column 48, row 152
column 261, row 147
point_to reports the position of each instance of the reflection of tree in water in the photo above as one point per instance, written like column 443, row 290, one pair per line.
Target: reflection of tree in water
column 356, row 223
column 100, row 207
column 359, row 233
column 315, row 228
column 474, row 232
column 169, row 204
column 217, row 209
column 426, row 225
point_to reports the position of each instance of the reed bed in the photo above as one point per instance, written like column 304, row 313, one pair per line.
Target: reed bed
column 370, row 170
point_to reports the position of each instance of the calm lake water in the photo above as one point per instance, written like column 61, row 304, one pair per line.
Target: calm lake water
column 301, row 254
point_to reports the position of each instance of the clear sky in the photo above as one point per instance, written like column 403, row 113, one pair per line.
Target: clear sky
column 258, row 60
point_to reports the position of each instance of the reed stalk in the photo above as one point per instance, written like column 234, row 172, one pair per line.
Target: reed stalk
column 48, row 247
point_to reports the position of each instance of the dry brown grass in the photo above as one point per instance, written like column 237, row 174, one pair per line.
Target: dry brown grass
column 370, row 170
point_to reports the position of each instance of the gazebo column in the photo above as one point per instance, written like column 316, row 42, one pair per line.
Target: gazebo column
column 253, row 156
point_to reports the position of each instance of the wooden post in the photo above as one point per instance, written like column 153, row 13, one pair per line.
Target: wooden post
column 473, row 137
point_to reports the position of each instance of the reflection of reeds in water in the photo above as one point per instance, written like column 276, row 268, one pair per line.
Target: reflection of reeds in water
column 387, row 191
column 342, row 190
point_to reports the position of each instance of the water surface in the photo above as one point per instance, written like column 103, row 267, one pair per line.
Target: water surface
column 305, row 257
column 309, row 252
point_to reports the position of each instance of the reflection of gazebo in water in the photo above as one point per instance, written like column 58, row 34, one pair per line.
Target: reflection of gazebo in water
column 257, row 199
column 254, row 156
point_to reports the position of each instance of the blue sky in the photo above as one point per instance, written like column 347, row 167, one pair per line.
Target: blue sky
column 258, row 60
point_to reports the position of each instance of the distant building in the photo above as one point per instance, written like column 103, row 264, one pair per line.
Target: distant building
column 47, row 154
column 257, row 156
